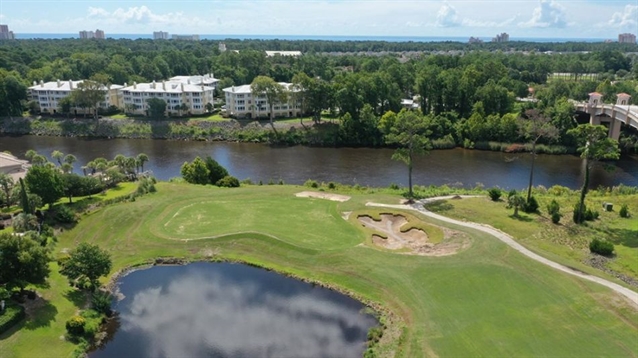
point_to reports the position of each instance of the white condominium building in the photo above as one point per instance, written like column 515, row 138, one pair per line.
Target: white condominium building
column 49, row 94
column 160, row 35
column 242, row 103
column 206, row 80
column 194, row 96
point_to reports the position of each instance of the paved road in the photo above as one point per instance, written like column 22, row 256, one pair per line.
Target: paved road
column 508, row 240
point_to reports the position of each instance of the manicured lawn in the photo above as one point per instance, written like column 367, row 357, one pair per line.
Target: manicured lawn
column 487, row 300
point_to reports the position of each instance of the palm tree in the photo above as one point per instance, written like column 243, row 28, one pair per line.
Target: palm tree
column 38, row 159
column 30, row 154
column 57, row 155
column 66, row 168
column 70, row 159
column 515, row 201
column 119, row 160
column 142, row 158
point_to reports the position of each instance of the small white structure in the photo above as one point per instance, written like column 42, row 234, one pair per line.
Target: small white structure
column 283, row 53
column 595, row 99
column 242, row 103
column 16, row 168
column 207, row 80
column 623, row 99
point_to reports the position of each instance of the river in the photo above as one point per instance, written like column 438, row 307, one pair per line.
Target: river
column 363, row 166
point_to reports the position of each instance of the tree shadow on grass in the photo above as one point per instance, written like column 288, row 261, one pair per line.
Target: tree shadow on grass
column 522, row 218
column 624, row 237
column 8, row 333
column 439, row 206
column 78, row 297
column 41, row 316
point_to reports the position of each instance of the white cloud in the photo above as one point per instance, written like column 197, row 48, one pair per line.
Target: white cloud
column 481, row 23
column 163, row 318
column 548, row 14
column 447, row 16
column 141, row 15
column 626, row 18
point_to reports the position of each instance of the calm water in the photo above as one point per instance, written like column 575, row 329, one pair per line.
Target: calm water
column 232, row 310
column 363, row 166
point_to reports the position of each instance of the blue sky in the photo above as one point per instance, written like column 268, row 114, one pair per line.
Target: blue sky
column 519, row 18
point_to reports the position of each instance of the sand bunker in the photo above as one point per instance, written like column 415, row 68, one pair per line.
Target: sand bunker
column 414, row 240
column 322, row 195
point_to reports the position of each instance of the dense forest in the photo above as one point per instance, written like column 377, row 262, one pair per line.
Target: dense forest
column 467, row 91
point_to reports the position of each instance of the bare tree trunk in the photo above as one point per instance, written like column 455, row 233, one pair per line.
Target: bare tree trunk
column 583, row 192
column 531, row 173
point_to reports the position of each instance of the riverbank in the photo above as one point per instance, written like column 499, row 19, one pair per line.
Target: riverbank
column 285, row 132
column 436, row 298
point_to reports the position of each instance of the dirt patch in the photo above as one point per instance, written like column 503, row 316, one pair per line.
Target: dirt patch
column 321, row 195
column 346, row 215
column 413, row 241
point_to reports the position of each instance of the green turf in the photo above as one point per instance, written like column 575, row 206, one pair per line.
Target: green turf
column 487, row 300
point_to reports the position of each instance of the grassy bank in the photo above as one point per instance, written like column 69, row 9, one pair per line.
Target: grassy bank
column 487, row 300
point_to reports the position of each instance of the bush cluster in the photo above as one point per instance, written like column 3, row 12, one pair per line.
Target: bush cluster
column 553, row 209
column 228, row 182
column 601, row 247
column 65, row 215
column 495, row 194
column 624, row 211
column 530, row 206
column 75, row 325
column 587, row 214
column 311, row 183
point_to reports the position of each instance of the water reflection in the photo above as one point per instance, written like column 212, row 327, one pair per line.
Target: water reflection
column 230, row 310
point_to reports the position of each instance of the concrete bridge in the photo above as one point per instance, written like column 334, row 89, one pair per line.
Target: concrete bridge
column 614, row 114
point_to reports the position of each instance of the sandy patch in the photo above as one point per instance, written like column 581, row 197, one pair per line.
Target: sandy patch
column 414, row 241
column 346, row 215
column 321, row 195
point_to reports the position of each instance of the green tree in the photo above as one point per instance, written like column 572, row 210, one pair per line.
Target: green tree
column 156, row 107
column 533, row 128
column 23, row 261
column 515, row 201
column 13, row 93
column 73, row 185
column 215, row 170
column 90, row 94
column 6, row 186
column 58, row 156
column 594, row 145
column 142, row 159
column 273, row 91
column 65, row 104
column 409, row 133
column 196, row 172
column 45, row 182
column 86, row 263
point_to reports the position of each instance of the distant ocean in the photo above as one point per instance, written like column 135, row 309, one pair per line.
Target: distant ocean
column 319, row 37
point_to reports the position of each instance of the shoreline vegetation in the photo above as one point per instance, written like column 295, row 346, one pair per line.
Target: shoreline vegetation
column 287, row 132
column 350, row 263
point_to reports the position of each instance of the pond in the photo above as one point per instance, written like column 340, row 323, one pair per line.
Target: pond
column 231, row 310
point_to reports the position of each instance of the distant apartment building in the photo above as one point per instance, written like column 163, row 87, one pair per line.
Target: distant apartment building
column 206, row 80
column 283, row 53
column 504, row 37
column 186, row 37
column 627, row 38
column 49, row 94
column 160, row 35
column 5, row 34
column 98, row 34
column 174, row 93
column 221, row 47
column 242, row 103
column 475, row 40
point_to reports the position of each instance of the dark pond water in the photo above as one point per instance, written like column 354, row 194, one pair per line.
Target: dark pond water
column 232, row 310
column 364, row 166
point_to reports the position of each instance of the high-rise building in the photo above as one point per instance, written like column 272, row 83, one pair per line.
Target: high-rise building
column 627, row 38
column 160, row 35
column 5, row 34
column 98, row 34
column 504, row 37
column 186, row 37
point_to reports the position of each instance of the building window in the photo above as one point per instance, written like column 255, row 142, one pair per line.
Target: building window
column 241, row 108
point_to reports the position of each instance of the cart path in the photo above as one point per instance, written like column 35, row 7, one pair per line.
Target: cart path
column 508, row 240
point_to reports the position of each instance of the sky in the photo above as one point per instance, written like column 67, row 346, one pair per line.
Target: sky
column 597, row 19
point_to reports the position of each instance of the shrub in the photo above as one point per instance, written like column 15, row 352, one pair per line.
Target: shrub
column 332, row 185
column 591, row 215
column 601, row 247
column 101, row 302
column 394, row 186
column 495, row 193
column 65, row 215
column 228, row 182
column 75, row 325
column 281, row 182
column 530, row 206
column 624, row 211
column 553, row 207
column 247, row 181
column 12, row 314
column 311, row 183
column 587, row 214
column 557, row 190
column 556, row 217
column 25, row 222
